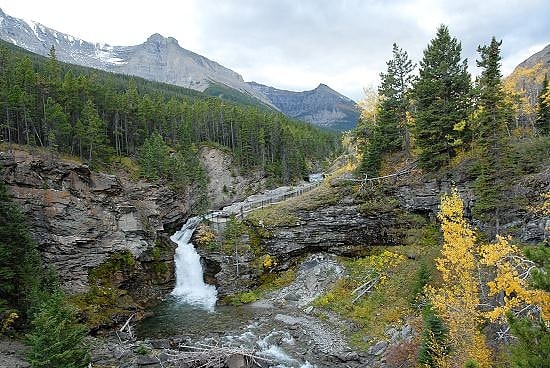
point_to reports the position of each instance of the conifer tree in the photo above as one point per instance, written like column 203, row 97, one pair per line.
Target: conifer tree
column 392, row 116
column 19, row 259
column 441, row 94
column 490, row 134
column 154, row 158
column 95, row 137
column 543, row 110
column 56, row 339
column 390, row 131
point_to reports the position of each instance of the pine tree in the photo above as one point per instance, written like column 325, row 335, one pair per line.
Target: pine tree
column 532, row 346
column 390, row 131
column 392, row 115
column 434, row 335
column 95, row 136
column 441, row 94
column 19, row 259
column 490, row 122
column 154, row 158
column 543, row 110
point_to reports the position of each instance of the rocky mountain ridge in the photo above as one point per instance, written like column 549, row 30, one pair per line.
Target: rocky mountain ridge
column 321, row 106
column 162, row 59
column 543, row 56
column 159, row 58
column 527, row 78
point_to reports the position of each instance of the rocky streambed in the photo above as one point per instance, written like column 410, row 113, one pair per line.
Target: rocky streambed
column 282, row 329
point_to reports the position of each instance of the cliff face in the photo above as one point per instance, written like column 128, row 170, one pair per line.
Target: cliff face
column 81, row 219
column 339, row 228
column 352, row 226
column 522, row 220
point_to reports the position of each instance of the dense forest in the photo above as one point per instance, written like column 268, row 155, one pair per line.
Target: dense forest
column 102, row 117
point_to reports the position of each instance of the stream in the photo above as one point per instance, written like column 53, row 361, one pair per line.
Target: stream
column 280, row 328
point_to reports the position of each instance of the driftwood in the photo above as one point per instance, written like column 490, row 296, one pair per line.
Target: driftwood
column 364, row 288
column 216, row 356
column 128, row 327
column 209, row 356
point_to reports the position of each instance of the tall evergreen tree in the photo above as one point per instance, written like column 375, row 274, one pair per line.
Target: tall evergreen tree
column 441, row 94
column 57, row 339
column 390, row 131
column 392, row 115
column 19, row 258
column 490, row 134
column 543, row 110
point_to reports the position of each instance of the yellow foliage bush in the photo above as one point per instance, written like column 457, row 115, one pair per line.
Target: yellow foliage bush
column 463, row 260
column 268, row 262
column 205, row 236
column 9, row 321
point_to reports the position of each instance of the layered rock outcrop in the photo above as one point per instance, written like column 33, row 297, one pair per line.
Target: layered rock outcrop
column 523, row 217
column 80, row 219
column 340, row 228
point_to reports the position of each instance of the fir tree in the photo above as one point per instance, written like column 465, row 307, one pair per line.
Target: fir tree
column 532, row 346
column 441, row 94
column 390, row 131
column 543, row 110
column 19, row 259
column 434, row 336
column 490, row 135
column 154, row 158
column 392, row 116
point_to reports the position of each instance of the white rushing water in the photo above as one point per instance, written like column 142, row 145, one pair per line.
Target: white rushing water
column 190, row 285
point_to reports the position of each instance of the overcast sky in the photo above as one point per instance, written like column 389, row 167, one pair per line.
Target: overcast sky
column 297, row 44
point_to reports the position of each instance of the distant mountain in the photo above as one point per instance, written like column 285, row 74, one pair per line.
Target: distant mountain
column 162, row 59
column 527, row 77
column 321, row 106
column 542, row 57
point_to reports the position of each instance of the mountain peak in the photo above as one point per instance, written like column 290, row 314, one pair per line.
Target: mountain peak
column 321, row 106
column 158, row 38
column 543, row 56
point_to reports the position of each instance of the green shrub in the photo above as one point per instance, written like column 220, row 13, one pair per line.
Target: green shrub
column 532, row 346
column 57, row 339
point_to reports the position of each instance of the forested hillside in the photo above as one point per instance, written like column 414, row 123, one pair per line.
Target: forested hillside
column 487, row 134
column 104, row 118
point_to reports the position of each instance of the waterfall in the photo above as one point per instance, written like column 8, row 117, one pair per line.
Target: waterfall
column 190, row 285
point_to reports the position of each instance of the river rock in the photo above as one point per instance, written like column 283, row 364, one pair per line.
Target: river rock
column 148, row 361
column 160, row 344
column 236, row 361
column 378, row 348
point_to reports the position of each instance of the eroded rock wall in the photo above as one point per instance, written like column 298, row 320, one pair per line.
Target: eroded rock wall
column 80, row 218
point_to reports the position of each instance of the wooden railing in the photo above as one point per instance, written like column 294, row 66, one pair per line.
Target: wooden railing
column 250, row 206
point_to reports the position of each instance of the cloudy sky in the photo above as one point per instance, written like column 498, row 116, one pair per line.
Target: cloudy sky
column 297, row 44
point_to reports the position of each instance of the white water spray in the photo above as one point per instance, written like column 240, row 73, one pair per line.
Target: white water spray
column 190, row 285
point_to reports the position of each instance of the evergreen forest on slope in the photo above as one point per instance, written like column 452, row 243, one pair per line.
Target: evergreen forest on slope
column 104, row 118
